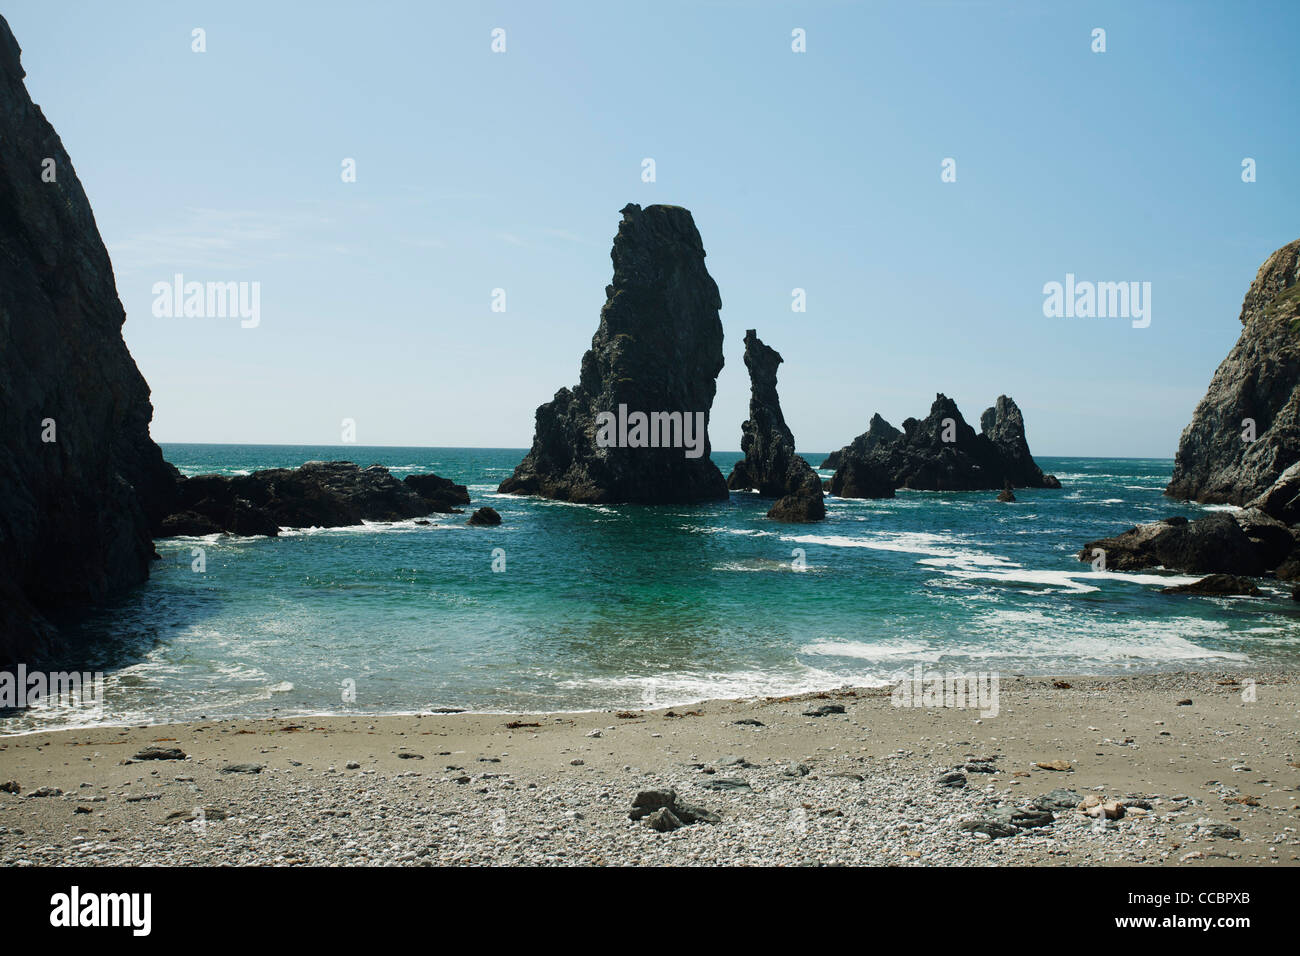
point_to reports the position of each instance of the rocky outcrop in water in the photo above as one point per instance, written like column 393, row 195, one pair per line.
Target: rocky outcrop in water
column 1217, row 585
column 1253, row 541
column 770, row 465
column 485, row 516
column 1241, row 447
column 878, row 431
column 861, row 478
column 442, row 494
column 635, row 427
column 320, row 494
column 1215, row 543
column 941, row 453
column 1222, row 456
column 81, row 482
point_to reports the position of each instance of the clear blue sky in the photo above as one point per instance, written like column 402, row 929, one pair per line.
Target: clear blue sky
column 818, row 170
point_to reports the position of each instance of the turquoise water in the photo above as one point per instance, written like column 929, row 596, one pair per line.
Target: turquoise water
column 602, row 606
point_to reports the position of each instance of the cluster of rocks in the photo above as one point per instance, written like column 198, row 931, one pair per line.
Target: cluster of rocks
column 1242, row 447
column 320, row 494
column 663, row 811
column 770, row 465
column 939, row 453
column 1262, row 539
column 1003, row 820
column 658, row 349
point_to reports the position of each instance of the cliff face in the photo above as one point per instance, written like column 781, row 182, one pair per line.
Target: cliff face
column 941, row 453
column 657, row 352
column 1258, row 380
column 770, row 465
column 76, row 512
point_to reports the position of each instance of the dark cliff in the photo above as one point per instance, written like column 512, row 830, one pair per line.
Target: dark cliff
column 1217, row 461
column 76, row 512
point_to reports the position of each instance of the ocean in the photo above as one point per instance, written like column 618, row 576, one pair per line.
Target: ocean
column 593, row 606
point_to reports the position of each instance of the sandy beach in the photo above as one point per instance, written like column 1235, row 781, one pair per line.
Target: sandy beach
column 1210, row 782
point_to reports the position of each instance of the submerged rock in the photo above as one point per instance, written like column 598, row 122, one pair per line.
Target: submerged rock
column 320, row 494
column 656, row 354
column 941, row 453
column 770, row 465
column 1245, row 433
column 81, row 482
column 1218, row 585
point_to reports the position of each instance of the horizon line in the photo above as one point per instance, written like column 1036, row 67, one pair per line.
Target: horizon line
column 525, row 448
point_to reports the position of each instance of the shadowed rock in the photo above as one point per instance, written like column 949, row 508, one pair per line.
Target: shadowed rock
column 770, row 465
column 1212, row 544
column 1218, row 585
column 860, row 478
column 442, row 493
column 878, row 431
column 658, row 350
column 320, row 494
column 1257, row 381
column 941, row 453
column 1281, row 500
column 485, row 516
column 75, row 512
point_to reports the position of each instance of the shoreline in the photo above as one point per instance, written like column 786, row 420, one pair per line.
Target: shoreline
column 1272, row 672
column 1212, row 782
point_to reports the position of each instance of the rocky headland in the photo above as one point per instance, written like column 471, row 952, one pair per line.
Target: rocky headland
column 1242, row 447
column 81, row 482
column 657, row 353
column 939, row 453
column 770, row 465
column 1246, row 430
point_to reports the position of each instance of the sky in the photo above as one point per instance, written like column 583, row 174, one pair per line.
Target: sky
column 819, row 170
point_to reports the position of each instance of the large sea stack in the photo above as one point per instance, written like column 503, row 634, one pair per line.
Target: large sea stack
column 1246, row 430
column 657, row 354
column 81, row 482
column 940, row 453
column 770, row 465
